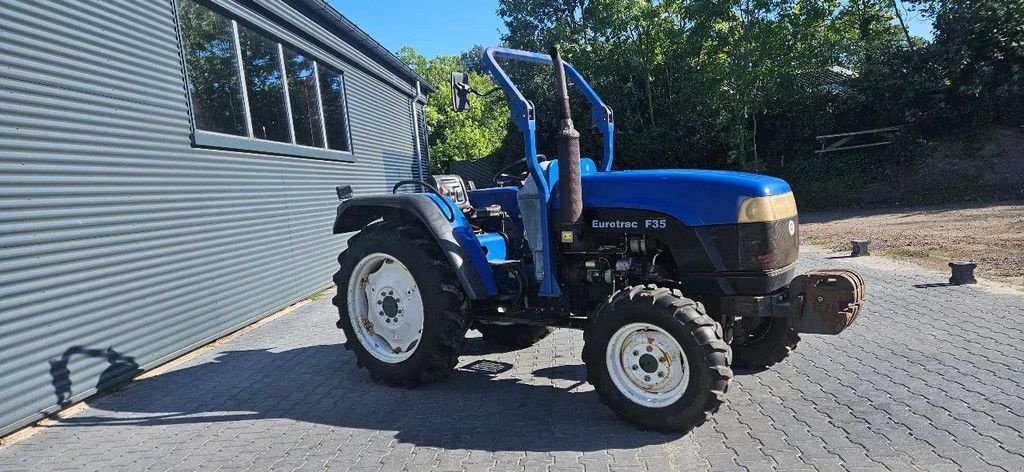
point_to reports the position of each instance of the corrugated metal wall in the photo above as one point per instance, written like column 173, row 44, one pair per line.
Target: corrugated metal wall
column 116, row 234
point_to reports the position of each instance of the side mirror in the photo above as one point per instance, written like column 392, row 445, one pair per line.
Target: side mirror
column 460, row 91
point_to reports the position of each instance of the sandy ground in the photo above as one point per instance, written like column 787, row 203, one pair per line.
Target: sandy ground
column 990, row 234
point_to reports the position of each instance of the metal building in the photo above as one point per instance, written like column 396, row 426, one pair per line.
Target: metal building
column 167, row 174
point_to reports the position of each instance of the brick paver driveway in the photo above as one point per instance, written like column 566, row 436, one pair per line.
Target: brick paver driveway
column 929, row 378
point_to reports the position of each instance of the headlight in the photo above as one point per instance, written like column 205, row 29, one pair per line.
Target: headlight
column 771, row 208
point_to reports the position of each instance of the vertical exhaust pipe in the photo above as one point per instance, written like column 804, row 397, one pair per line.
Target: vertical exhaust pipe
column 570, row 188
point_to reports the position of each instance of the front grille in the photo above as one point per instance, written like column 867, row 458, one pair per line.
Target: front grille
column 757, row 246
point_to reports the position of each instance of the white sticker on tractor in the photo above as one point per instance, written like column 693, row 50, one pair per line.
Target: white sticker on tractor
column 792, row 227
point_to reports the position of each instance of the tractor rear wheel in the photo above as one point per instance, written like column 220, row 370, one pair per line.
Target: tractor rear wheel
column 657, row 359
column 403, row 312
column 517, row 336
column 766, row 342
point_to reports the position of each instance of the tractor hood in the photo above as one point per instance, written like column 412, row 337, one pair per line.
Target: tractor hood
column 694, row 197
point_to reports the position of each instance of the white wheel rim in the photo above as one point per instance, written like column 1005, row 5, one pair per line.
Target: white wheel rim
column 385, row 308
column 647, row 365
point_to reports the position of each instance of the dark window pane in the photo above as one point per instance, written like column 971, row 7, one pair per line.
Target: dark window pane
column 264, row 85
column 212, row 70
column 302, row 91
column 332, row 91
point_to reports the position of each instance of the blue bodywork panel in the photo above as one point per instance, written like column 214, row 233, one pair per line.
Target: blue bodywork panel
column 694, row 197
column 463, row 233
column 587, row 167
column 504, row 196
column 495, row 246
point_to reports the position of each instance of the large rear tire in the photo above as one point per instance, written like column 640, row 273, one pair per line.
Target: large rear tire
column 518, row 336
column 657, row 359
column 765, row 344
column 403, row 313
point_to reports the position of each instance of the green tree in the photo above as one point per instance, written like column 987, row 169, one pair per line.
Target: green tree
column 453, row 136
column 705, row 83
column 980, row 48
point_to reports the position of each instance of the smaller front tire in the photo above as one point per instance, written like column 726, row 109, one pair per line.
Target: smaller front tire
column 657, row 359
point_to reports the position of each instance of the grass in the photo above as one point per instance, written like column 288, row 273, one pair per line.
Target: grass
column 818, row 241
column 321, row 294
column 904, row 252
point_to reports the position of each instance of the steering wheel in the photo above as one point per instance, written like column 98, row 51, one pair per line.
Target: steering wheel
column 506, row 177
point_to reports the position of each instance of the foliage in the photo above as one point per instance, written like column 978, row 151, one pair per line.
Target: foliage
column 979, row 46
column 458, row 136
column 749, row 84
column 712, row 83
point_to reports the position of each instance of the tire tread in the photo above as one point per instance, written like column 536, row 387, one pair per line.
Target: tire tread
column 452, row 299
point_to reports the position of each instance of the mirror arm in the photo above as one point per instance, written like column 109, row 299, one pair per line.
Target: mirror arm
column 489, row 92
column 473, row 91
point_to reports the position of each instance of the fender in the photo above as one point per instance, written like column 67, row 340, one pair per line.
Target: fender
column 455, row 238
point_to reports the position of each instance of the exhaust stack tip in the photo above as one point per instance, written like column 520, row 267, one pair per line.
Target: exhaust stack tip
column 562, row 87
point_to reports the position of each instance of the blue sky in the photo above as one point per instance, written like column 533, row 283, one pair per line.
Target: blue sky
column 431, row 27
column 452, row 26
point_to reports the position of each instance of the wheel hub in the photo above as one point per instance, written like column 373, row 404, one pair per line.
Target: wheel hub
column 647, row 365
column 385, row 307
column 389, row 307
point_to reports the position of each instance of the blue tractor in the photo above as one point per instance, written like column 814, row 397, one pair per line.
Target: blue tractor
column 674, row 276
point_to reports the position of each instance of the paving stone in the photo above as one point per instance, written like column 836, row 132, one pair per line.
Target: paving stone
column 905, row 388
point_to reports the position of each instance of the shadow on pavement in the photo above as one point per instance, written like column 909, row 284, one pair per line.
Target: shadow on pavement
column 320, row 384
column 934, row 285
column 479, row 347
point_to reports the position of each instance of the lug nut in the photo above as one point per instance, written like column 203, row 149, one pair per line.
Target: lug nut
column 647, row 378
column 636, row 353
column 661, row 374
column 635, row 367
column 650, row 349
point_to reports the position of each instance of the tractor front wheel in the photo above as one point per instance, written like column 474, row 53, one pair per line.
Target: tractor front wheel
column 657, row 359
column 402, row 310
